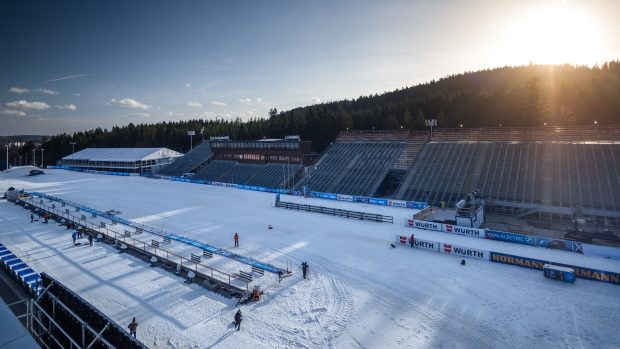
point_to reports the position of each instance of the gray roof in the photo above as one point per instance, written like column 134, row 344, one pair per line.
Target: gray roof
column 122, row 154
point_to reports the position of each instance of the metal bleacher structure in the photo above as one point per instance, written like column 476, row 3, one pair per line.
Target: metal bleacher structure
column 357, row 162
column 273, row 175
column 190, row 161
column 522, row 171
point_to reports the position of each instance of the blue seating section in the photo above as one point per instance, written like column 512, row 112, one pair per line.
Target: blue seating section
column 20, row 271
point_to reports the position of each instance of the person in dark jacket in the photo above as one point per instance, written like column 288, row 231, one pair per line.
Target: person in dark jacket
column 74, row 236
column 238, row 319
column 236, row 237
column 304, row 269
column 90, row 239
column 133, row 326
column 412, row 240
column 31, row 218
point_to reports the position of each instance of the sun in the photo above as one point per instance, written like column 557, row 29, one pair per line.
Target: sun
column 554, row 34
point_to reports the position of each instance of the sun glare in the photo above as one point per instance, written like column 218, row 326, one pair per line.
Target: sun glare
column 553, row 35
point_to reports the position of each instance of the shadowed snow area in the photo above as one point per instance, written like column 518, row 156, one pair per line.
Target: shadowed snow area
column 360, row 293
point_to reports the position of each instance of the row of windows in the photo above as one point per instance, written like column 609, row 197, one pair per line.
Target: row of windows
column 259, row 157
column 256, row 145
column 115, row 163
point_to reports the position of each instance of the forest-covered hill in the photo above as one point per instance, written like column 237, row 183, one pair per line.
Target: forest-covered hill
column 510, row 96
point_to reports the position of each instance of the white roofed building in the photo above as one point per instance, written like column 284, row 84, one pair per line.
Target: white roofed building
column 131, row 160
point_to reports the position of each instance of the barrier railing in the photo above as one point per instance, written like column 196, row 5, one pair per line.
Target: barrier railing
column 145, row 247
column 525, row 262
column 336, row 212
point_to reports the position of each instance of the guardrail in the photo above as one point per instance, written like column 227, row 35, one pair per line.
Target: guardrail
column 336, row 212
column 145, row 247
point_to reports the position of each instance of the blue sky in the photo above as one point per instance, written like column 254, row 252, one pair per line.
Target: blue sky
column 75, row 65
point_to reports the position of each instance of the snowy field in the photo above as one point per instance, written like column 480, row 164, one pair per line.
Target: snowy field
column 360, row 294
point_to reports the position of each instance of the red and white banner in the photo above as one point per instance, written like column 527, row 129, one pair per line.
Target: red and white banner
column 463, row 251
column 455, row 229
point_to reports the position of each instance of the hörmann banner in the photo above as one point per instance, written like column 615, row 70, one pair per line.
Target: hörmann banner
column 455, row 229
column 461, row 251
column 580, row 272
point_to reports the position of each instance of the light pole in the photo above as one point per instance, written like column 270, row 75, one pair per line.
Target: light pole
column 34, row 157
column 430, row 123
column 7, row 157
column 42, row 164
column 72, row 148
column 191, row 141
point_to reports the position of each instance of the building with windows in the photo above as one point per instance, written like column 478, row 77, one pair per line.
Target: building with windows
column 129, row 160
column 290, row 150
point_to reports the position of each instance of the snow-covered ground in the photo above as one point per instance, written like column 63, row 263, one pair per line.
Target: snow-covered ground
column 361, row 293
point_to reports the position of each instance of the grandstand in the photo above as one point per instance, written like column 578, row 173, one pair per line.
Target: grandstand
column 190, row 161
column 528, row 172
column 265, row 175
column 124, row 160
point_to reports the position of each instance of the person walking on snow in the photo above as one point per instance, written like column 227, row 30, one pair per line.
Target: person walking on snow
column 238, row 319
column 31, row 218
column 90, row 239
column 412, row 240
column 133, row 326
column 304, row 269
column 236, row 240
column 74, row 236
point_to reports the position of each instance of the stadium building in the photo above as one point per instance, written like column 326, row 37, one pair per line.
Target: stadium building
column 126, row 160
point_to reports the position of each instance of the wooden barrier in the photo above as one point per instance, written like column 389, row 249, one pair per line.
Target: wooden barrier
column 194, row 258
column 167, row 240
column 155, row 243
column 258, row 271
column 207, row 254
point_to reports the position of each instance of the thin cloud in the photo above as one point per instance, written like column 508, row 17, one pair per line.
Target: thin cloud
column 67, row 77
column 194, row 104
column 11, row 112
column 141, row 115
column 219, row 104
column 71, row 107
column 18, row 90
column 171, row 113
column 129, row 103
column 188, row 85
column 46, row 91
column 250, row 101
column 315, row 100
column 23, row 104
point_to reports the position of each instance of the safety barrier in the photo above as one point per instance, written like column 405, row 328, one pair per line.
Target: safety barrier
column 166, row 236
column 329, row 196
column 531, row 240
column 336, row 212
column 525, row 262
column 152, row 250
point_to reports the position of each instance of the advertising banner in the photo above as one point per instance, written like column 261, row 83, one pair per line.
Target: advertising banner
column 461, row 251
column 511, row 237
column 426, row 225
column 580, row 272
column 455, row 229
column 342, row 197
column 417, row 243
column 397, row 203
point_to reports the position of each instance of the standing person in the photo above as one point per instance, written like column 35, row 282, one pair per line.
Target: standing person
column 74, row 236
column 45, row 217
column 90, row 239
column 412, row 240
column 238, row 319
column 236, row 240
column 133, row 326
column 304, row 269
column 31, row 218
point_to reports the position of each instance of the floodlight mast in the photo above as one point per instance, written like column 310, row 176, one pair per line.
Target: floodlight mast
column 430, row 123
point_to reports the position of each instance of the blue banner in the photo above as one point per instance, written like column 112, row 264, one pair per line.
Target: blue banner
column 510, row 237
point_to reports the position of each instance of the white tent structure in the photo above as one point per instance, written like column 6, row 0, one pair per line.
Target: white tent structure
column 131, row 160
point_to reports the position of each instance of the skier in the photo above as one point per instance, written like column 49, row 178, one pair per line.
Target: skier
column 236, row 240
column 31, row 218
column 90, row 239
column 238, row 319
column 304, row 268
column 133, row 326
column 412, row 240
column 74, row 236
